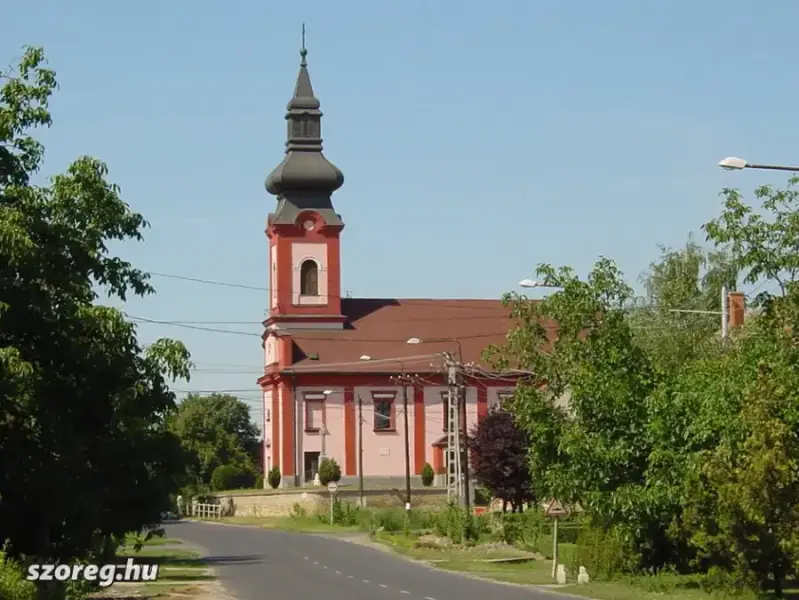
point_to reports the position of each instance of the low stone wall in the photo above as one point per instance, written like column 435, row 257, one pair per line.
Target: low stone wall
column 280, row 503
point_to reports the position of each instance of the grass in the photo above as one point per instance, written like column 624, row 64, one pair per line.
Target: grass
column 131, row 540
column 165, row 558
column 182, row 574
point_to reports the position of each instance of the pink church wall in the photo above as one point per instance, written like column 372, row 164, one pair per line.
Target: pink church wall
column 384, row 452
column 334, row 422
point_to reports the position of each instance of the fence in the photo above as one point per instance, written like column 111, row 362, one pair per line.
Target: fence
column 205, row 511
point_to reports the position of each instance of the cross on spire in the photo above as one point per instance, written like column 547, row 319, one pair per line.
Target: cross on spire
column 303, row 51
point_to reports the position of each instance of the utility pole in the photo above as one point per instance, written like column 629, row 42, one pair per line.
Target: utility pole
column 404, row 380
column 360, row 450
column 725, row 318
column 454, row 455
column 407, row 447
column 465, row 459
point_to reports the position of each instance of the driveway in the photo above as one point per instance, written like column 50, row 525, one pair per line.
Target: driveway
column 254, row 564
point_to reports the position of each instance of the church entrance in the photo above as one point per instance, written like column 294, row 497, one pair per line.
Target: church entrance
column 311, row 466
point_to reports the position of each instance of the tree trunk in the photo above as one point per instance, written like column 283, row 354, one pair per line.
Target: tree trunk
column 778, row 591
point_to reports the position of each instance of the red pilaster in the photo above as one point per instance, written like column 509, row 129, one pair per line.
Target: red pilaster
column 275, row 416
column 438, row 461
column 419, row 429
column 350, row 458
column 287, row 427
column 482, row 402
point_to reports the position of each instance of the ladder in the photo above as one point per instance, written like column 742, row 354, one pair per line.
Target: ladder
column 453, row 457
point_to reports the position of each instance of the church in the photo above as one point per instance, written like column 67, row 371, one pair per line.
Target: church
column 335, row 378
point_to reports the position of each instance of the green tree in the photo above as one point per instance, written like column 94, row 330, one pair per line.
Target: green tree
column 85, row 454
column 590, row 403
column 678, row 315
column 274, row 477
column 216, row 430
column 329, row 470
column 428, row 475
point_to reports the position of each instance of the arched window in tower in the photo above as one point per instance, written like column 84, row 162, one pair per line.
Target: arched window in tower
column 309, row 278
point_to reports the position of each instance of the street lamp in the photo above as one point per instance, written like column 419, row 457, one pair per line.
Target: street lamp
column 531, row 283
column 416, row 340
column 732, row 163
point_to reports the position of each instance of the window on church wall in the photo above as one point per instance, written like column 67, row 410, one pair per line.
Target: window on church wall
column 309, row 278
column 505, row 397
column 384, row 413
column 314, row 412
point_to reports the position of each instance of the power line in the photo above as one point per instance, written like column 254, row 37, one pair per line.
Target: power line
column 417, row 301
column 300, row 337
column 195, row 327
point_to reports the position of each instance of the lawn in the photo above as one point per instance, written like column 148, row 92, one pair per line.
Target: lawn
column 130, row 540
column 181, row 573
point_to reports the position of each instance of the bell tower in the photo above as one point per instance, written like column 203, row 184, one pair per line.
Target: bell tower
column 304, row 229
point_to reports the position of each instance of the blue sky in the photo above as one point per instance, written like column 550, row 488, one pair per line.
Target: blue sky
column 477, row 140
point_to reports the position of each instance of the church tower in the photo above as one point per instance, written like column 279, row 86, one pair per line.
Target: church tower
column 304, row 229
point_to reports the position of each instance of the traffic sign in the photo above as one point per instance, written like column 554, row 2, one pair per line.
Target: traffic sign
column 332, row 487
column 555, row 509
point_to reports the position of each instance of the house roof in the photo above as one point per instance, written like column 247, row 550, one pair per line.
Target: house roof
column 380, row 328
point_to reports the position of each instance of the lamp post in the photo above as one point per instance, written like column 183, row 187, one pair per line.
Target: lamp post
column 732, row 163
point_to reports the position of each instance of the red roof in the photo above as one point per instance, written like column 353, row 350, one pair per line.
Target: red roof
column 380, row 328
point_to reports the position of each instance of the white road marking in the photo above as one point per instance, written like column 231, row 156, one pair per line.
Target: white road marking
column 383, row 585
column 306, row 558
column 365, row 580
column 350, row 577
column 338, row 572
column 404, row 592
column 324, row 566
column 315, row 562
column 429, row 598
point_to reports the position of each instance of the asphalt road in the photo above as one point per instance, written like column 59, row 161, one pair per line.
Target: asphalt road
column 254, row 564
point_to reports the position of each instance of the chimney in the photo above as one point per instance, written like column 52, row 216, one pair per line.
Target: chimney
column 737, row 307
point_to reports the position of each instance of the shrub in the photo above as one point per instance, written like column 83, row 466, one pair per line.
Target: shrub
column 231, row 477
column 427, row 475
column 345, row 513
column 457, row 524
column 274, row 477
column 13, row 585
column 329, row 471
column 604, row 552
column 259, row 482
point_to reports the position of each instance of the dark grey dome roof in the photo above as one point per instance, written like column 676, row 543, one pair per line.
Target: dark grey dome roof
column 304, row 167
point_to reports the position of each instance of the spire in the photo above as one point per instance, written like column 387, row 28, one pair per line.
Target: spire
column 304, row 169
column 303, row 91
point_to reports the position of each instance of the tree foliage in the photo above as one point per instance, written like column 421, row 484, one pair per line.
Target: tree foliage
column 84, row 449
column 216, row 430
column 329, row 470
column 231, row 477
column 498, row 459
column 683, row 443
